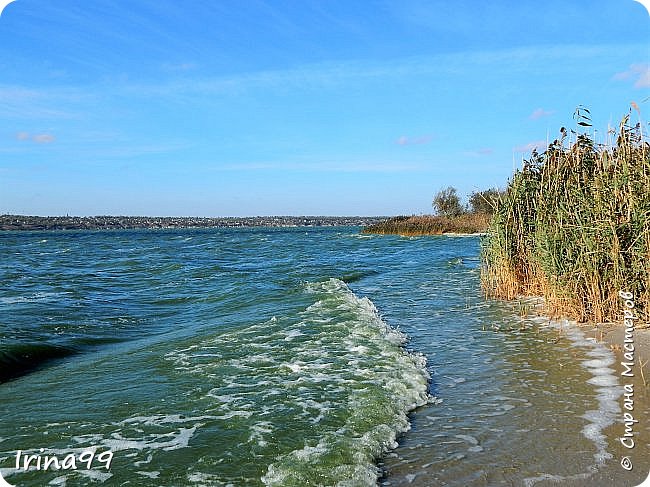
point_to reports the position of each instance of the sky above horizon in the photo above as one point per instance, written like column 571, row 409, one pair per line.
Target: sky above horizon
column 337, row 107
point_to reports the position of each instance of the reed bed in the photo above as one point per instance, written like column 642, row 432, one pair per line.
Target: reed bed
column 431, row 225
column 574, row 227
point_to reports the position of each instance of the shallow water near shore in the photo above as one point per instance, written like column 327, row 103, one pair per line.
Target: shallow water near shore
column 293, row 357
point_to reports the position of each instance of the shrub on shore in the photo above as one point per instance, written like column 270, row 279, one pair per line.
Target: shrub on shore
column 485, row 201
column 574, row 226
column 446, row 203
column 451, row 215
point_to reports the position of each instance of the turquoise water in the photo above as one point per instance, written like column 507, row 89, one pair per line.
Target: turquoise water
column 286, row 357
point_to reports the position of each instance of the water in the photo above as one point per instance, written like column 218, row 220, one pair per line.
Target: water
column 290, row 357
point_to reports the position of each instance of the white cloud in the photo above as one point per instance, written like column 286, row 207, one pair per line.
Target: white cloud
column 406, row 140
column 43, row 138
column 38, row 138
column 540, row 113
column 639, row 72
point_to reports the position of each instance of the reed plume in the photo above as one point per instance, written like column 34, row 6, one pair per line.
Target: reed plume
column 574, row 226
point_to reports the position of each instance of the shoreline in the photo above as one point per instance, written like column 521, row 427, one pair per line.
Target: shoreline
column 36, row 223
column 430, row 234
column 629, row 437
column 613, row 334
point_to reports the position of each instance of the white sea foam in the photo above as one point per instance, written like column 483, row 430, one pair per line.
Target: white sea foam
column 361, row 334
column 95, row 475
column 207, row 479
column 468, row 438
column 144, row 462
column 335, row 356
column 133, row 435
column 602, row 364
column 33, row 298
column 179, row 439
column 294, row 367
column 152, row 475
column 607, row 392
column 162, row 419
column 291, row 334
column 61, row 481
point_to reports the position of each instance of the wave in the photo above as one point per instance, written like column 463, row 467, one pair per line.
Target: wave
column 322, row 392
column 20, row 359
column 354, row 276
column 385, row 383
column 34, row 298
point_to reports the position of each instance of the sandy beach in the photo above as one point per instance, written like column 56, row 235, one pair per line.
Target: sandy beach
column 613, row 335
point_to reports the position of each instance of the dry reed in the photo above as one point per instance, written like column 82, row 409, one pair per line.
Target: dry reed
column 431, row 225
column 574, row 227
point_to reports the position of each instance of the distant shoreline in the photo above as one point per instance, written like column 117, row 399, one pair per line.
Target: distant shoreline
column 27, row 223
column 415, row 226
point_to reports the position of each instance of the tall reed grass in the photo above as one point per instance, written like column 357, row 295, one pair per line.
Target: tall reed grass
column 574, row 226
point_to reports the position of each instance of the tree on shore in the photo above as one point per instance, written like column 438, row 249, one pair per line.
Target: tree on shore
column 485, row 201
column 446, row 202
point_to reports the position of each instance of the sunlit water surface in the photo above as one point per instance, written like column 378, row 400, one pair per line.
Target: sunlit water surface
column 291, row 357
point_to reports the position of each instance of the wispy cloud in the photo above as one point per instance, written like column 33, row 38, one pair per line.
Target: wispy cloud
column 183, row 80
column 406, row 140
column 321, row 166
column 540, row 113
column 42, row 103
column 337, row 73
column 105, row 147
column 536, row 144
column 43, row 138
column 124, row 150
column 178, row 66
column 639, row 73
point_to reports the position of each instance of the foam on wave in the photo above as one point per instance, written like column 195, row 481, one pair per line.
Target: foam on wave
column 323, row 393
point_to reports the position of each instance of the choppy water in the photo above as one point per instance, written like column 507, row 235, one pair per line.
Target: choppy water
column 290, row 357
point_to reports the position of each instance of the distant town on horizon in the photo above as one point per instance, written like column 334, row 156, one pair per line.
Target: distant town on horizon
column 24, row 222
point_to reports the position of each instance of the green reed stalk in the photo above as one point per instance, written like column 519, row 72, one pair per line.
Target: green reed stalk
column 574, row 226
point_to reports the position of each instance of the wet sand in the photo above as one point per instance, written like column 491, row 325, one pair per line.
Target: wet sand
column 417, row 463
column 613, row 335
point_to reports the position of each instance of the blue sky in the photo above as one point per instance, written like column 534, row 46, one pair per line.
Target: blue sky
column 331, row 107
